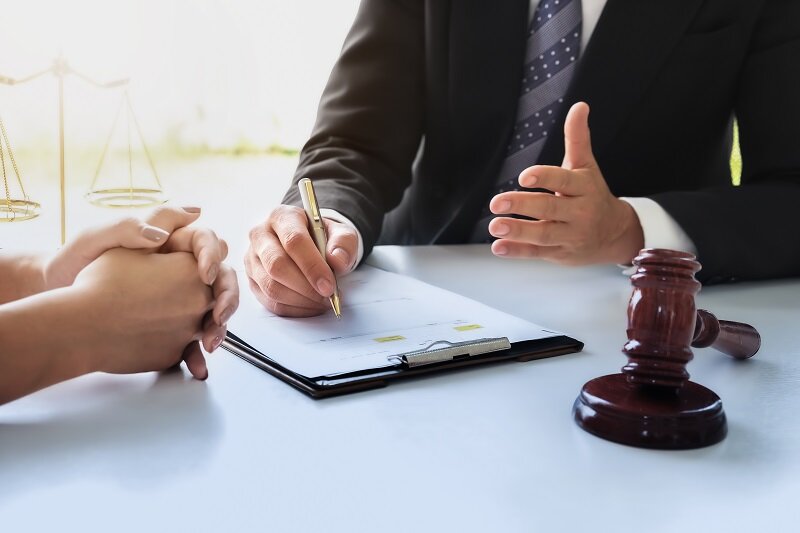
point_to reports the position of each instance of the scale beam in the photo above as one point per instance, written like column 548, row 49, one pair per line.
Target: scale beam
column 112, row 197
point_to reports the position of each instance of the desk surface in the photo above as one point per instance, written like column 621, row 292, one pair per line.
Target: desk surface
column 493, row 449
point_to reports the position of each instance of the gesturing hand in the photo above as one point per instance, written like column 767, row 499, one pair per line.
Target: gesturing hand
column 581, row 223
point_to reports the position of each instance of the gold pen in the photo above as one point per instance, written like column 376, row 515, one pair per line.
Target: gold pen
column 317, row 228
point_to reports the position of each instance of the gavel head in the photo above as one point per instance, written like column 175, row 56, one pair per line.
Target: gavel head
column 663, row 322
column 661, row 318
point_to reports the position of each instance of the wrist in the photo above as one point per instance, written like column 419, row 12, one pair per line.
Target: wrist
column 630, row 236
column 69, row 333
column 85, row 350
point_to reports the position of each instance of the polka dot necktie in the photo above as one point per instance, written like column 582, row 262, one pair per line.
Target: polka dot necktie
column 554, row 38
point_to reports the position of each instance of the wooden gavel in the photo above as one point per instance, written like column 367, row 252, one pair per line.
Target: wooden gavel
column 652, row 403
column 739, row 340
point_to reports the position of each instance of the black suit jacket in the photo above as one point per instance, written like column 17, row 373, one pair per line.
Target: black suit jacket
column 419, row 107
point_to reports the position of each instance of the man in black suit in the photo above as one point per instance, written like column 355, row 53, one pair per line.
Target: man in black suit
column 422, row 107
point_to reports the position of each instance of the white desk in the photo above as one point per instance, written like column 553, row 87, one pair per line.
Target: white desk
column 493, row 449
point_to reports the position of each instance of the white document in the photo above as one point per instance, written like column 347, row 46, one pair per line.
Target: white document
column 383, row 315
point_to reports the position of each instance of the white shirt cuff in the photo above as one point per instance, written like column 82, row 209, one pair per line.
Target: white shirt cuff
column 659, row 229
column 338, row 217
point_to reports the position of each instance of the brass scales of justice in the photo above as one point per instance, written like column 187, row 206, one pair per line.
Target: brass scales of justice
column 20, row 206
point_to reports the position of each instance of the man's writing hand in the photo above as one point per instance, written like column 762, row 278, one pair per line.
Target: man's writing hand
column 285, row 269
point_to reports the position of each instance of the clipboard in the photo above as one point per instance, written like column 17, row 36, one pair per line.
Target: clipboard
column 441, row 356
column 388, row 331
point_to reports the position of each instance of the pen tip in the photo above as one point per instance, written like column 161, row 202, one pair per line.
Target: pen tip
column 337, row 309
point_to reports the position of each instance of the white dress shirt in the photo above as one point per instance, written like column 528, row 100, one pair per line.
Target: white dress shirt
column 659, row 229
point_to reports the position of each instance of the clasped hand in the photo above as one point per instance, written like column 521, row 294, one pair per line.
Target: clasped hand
column 194, row 293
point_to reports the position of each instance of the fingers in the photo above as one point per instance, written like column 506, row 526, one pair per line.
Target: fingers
column 213, row 334
column 536, row 232
column 267, row 262
column 208, row 249
column 171, row 218
column 287, row 273
column 583, row 222
column 577, row 140
column 226, row 301
column 226, row 297
column 195, row 361
column 276, row 295
column 522, row 250
column 279, row 306
column 89, row 245
column 126, row 233
column 559, row 180
column 290, row 225
column 273, row 262
column 342, row 246
column 531, row 204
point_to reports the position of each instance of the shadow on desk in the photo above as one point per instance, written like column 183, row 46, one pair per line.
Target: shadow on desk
column 137, row 431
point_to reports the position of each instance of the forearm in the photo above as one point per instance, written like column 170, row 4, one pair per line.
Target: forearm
column 20, row 276
column 371, row 119
column 40, row 342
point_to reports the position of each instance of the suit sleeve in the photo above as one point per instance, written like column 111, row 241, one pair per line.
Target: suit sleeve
column 750, row 231
column 370, row 118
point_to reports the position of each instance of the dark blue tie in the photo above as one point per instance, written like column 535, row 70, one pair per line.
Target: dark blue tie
column 554, row 39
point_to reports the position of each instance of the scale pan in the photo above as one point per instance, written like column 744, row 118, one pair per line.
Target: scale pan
column 18, row 210
column 126, row 197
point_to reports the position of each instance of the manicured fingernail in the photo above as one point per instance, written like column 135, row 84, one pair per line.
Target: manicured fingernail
column 343, row 256
column 528, row 180
column 214, row 343
column 324, row 287
column 225, row 316
column 500, row 229
column 212, row 274
column 499, row 249
column 503, row 205
column 154, row 234
column 192, row 210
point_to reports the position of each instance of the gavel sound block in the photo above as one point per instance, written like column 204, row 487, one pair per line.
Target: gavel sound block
column 652, row 403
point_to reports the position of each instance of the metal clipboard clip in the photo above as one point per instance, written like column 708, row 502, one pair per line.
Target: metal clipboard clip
column 449, row 351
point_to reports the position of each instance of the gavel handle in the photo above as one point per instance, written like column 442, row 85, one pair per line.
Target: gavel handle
column 736, row 339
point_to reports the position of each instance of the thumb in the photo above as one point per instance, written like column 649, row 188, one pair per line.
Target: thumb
column 89, row 245
column 343, row 245
column 577, row 140
column 171, row 218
